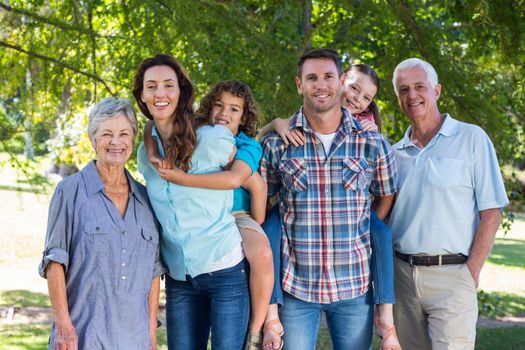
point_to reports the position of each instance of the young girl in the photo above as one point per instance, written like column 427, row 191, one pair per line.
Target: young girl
column 361, row 85
column 231, row 104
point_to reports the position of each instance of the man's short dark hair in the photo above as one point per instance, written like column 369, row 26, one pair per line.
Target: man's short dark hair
column 329, row 54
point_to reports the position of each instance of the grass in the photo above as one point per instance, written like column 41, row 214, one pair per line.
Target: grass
column 24, row 298
column 35, row 337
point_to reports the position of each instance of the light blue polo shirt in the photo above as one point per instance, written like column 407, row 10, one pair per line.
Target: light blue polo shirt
column 198, row 230
column 443, row 187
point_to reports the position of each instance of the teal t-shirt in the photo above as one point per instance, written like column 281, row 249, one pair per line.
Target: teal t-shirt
column 249, row 151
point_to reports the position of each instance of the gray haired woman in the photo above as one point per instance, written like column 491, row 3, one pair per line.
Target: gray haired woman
column 101, row 259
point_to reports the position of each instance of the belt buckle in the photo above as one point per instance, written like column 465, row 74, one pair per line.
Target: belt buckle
column 411, row 260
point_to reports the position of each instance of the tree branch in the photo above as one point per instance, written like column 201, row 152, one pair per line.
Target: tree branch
column 64, row 65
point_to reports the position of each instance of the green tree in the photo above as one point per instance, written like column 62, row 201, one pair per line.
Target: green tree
column 80, row 51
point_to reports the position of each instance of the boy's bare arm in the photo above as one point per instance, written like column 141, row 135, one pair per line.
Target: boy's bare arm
column 257, row 188
column 282, row 128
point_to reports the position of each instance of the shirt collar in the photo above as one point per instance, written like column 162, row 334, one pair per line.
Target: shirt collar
column 348, row 123
column 448, row 128
column 94, row 182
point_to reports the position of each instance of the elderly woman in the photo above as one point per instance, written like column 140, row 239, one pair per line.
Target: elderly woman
column 101, row 259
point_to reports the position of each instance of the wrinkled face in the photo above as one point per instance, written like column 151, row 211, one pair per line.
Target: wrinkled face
column 161, row 92
column 358, row 91
column 417, row 98
column 113, row 141
column 228, row 111
column 320, row 85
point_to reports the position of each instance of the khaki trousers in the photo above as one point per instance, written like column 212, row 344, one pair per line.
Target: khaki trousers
column 436, row 306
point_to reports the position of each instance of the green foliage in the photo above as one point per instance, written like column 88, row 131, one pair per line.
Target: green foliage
column 24, row 298
column 60, row 57
column 496, row 304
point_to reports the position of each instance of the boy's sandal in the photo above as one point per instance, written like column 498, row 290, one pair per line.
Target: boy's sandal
column 253, row 341
column 388, row 333
column 270, row 327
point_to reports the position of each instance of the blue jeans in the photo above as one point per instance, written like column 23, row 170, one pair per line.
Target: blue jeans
column 382, row 261
column 349, row 323
column 272, row 228
column 218, row 300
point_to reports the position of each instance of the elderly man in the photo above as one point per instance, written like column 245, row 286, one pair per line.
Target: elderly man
column 324, row 187
column 445, row 217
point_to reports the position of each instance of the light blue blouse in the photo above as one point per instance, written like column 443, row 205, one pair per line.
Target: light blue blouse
column 198, row 229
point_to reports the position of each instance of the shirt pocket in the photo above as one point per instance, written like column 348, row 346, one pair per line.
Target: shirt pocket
column 446, row 172
column 150, row 243
column 294, row 174
column 97, row 236
column 354, row 173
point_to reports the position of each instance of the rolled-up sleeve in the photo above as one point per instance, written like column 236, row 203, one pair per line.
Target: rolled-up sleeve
column 385, row 175
column 58, row 236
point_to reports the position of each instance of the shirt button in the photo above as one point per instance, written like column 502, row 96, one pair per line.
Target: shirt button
column 97, row 228
column 124, row 233
column 327, row 215
column 123, row 264
column 123, row 277
column 329, row 267
column 123, row 251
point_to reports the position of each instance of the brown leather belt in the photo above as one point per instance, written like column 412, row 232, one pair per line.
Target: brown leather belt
column 431, row 260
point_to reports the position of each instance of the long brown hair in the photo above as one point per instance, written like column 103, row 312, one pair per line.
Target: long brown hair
column 183, row 138
column 367, row 70
column 250, row 113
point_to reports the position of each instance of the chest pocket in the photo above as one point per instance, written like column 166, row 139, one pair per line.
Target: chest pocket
column 97, row 237
column 447, row 172
column 294, row 174
column 354, row 173
column 150, row 242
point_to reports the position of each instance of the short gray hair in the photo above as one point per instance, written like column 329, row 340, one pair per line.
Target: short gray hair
column 410, row 63
column 108, row 108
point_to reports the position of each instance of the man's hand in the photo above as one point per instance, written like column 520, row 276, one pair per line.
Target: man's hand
column 474, row 272
column 65, row 336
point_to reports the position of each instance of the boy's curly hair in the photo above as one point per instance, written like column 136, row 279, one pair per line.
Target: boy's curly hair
column 250, row 114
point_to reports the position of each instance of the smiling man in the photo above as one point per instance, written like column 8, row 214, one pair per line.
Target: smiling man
column 445, row 217
column 325, row 189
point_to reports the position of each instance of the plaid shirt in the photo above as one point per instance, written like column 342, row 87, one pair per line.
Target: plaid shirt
column 325, row 207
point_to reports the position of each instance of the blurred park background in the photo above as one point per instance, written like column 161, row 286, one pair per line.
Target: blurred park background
column 57, row 58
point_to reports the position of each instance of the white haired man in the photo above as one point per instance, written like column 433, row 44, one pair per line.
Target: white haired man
column 445, row 217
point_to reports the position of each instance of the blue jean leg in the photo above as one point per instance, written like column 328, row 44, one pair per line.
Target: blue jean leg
column 349, row 323
column 187, row 316
column 382, row 261
column 272, row 228
column 218, row 301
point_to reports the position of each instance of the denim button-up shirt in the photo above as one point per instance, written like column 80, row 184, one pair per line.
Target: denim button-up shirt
column 109, row 261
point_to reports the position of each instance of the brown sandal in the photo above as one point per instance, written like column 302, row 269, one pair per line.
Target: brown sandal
column 388, row 333
column 253, row 341
column 270, row 327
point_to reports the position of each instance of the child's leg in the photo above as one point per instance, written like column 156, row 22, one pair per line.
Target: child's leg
column 274, row 329
column 382, row 265
column 259, row 255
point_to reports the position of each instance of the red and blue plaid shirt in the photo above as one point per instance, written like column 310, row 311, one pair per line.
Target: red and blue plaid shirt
column 325, row 207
